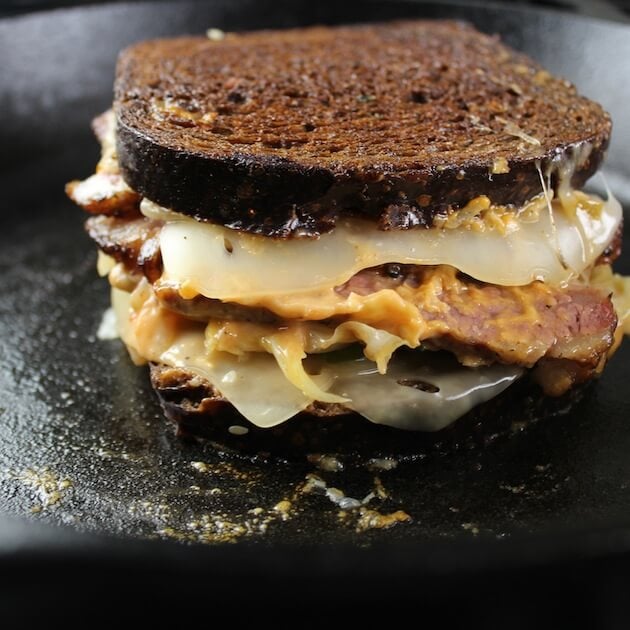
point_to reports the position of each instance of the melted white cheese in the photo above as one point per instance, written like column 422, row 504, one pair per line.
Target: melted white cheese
column 383, row 400
column 220, row 263
column 258, row 388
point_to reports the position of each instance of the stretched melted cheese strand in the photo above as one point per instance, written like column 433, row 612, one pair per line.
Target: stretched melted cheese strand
column 258, row 388
column 220, row 263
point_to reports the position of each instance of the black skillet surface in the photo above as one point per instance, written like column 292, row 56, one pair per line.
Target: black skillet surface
column 83, row 443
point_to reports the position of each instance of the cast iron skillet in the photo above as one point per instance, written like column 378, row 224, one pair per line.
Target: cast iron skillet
column 540, row 518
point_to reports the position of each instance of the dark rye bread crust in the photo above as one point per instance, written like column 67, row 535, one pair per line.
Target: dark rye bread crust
column 282, row 132
column 199, row 411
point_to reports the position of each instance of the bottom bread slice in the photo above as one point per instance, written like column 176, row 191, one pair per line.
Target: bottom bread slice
column 199, row 410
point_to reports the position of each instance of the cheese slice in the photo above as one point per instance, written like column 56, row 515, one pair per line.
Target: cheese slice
column 398, row 399
column 217, row 262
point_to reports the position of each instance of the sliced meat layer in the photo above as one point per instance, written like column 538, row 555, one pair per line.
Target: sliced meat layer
column 105, row 192
column 482, row 323
column 557, row 376
column 133, row 242
column 204, row 309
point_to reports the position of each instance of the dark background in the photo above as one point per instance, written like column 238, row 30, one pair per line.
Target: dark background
column 606, row 9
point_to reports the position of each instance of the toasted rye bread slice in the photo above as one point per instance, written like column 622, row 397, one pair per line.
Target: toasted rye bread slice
column 282, row 132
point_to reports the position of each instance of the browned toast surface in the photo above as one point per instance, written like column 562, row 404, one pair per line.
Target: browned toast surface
column 282, row 132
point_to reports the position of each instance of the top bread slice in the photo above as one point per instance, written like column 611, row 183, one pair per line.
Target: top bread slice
column 282, row 132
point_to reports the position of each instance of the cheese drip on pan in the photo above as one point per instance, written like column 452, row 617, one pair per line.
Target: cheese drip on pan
column 228, row 265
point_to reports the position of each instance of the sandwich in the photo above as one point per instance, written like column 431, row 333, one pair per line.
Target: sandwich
column 383, row 222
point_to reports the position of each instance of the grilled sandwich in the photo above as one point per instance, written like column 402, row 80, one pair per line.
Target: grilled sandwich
column 382, row 221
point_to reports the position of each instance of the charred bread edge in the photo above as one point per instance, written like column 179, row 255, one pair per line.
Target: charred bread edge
column 287, row 199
